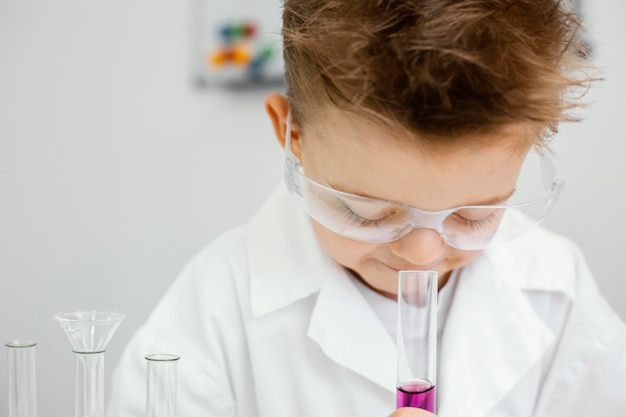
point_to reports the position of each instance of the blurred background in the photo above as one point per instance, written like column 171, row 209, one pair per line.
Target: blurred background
column 119, row 160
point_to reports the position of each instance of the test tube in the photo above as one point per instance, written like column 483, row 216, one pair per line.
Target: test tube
column 417, row 339
column 161, row 385
column 89, row 400
column 22, row 381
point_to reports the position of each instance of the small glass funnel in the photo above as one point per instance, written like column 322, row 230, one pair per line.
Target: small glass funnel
column 89, row 333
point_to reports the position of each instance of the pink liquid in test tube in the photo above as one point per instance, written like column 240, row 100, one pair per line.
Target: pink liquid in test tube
column 419, row 394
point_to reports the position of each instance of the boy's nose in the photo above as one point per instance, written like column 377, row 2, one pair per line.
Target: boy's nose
column 419, row 247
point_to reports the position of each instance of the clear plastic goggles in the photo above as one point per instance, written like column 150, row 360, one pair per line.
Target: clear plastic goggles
column 375, row 220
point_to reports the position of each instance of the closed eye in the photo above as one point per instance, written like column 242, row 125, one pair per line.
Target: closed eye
column 487, row 222
column 362, row 221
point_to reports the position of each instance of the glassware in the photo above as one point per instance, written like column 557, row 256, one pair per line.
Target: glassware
column 474, row 227
column 161, row 385
column 89, row 332
column 417, row 339
column 22, row 378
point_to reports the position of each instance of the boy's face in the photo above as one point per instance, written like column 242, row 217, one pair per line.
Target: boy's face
column 353, row 155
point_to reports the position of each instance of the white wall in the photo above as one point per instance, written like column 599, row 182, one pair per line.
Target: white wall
column 592, row 158
column 114, row 171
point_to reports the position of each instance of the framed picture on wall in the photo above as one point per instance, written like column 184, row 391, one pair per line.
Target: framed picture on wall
column 237, row 43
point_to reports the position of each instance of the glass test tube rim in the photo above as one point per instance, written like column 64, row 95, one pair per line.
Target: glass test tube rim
column 162, row 357
column 21, row 343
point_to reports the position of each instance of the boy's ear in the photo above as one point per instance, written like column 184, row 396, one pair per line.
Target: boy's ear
column 277, row 108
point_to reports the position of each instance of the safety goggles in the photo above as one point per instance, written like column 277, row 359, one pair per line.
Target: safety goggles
column 376, row 220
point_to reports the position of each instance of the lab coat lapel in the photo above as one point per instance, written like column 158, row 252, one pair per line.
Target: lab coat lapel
column 286, row 263
column 475, row 376
column 342, row 322
column 349, row 332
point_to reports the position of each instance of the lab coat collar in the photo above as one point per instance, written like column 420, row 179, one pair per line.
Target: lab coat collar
column 350, row 332
column 481, row 341
column 342, row 322
column 286, row 263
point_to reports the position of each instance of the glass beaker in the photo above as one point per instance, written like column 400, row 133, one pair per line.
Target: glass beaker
column 417, row 339
column 89, row 333
column 161, row 385
column 22, row 378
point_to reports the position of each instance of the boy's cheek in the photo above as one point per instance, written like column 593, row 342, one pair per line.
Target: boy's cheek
column 342, row 250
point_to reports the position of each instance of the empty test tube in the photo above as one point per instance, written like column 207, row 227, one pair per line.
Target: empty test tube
column 161, row 385
column 22, row 381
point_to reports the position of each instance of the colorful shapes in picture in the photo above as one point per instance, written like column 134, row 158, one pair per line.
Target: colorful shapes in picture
column 240, row 47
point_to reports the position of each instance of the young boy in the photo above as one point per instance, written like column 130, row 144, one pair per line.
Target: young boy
column 406, row 127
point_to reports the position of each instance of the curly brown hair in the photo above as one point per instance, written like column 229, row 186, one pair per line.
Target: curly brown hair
column 445, row 68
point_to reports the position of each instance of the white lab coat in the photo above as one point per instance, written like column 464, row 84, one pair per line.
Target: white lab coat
column 268, row 326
